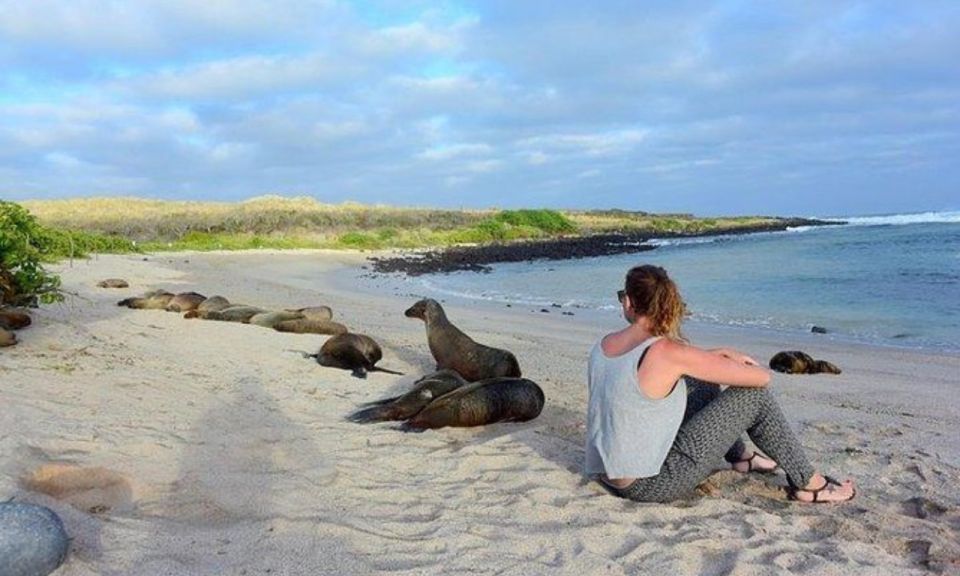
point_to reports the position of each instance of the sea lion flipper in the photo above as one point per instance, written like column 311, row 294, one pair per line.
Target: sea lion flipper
column 387, row 370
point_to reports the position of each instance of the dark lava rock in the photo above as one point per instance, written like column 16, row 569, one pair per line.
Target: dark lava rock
column 479, row 258
column 818, row 330
column 796, row 362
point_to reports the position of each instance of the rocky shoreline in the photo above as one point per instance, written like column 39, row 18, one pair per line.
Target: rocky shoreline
column 479, row 258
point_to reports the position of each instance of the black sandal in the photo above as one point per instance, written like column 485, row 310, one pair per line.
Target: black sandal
column 827, row 481
column 752, row 468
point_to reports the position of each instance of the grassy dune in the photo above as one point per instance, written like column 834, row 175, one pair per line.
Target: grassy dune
column 279, row 222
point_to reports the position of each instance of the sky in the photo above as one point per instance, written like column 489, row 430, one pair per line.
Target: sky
column 811, row 108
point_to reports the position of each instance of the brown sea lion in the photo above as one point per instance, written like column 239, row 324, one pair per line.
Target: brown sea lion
column 480, row 403
column 236, row 313
column 211, row 304
column 152, row 300
column 319, row 313
column 14, row 319
column 356, row 352
column 424, row 391
column 271, row 319
column 304, row 326
column 7, row 338
column 453, row 349
column 797, row 362
column 113, row 283
column 185, row 302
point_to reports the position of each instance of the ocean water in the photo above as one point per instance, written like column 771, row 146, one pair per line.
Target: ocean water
column 889, row 280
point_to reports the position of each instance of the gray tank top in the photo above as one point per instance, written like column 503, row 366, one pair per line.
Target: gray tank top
column 628, row 434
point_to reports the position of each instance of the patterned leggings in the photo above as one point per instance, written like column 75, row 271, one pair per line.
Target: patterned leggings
column 712, row 426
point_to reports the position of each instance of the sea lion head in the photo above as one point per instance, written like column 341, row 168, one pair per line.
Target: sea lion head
column 426, row 310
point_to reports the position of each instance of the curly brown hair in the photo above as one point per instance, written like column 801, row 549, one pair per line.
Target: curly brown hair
column 654, row 295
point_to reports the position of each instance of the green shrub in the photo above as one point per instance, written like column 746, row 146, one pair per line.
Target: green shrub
column 549, row 221
column 23, row 280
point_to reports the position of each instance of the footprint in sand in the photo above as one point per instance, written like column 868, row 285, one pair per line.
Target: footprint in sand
column 95, row 490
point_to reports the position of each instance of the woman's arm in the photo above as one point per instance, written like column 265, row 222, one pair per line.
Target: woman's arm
column 723, row 366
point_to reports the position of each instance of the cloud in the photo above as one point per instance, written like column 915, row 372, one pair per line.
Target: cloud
column 682, row 106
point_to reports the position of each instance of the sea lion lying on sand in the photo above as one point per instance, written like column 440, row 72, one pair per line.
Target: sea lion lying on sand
column 185, row 302
column 33, row 541
column 356, row 352
column 453, row 349
column 318, row 313
column 113, row 283
column 271, row 319
column 425, row 390
column 14, row 319
column 480, row 403
column 236, row 313
column 797, row 362
column 305, row 326
column 7, row 338
column 152, row 300
column 211, row 304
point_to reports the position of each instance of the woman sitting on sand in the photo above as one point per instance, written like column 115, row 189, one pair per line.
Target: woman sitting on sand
column 658, row 420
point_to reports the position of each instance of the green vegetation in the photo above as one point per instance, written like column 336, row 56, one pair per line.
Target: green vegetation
column 25, row 245
column 86, row 225
column 22, row 278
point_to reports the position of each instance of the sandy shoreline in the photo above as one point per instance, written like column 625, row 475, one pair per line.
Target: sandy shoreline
column 240, row 461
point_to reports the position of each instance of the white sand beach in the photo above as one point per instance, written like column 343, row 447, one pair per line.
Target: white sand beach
column 231, row 453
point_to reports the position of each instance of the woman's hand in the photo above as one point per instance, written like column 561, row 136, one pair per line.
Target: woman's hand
column 736, row 356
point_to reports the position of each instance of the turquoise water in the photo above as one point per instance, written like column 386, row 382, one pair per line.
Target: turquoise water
column 888, row 280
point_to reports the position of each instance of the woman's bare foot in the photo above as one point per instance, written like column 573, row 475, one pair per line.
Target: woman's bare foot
column 824, row 489
column 754, row 462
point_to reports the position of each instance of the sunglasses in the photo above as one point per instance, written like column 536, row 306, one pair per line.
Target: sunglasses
column 621, row 294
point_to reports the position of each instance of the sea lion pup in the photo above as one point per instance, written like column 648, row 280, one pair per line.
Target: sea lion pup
column 453, row 349
column 797, row 362
column 318, row 313
column 185, row 302
column 483, row 402
column 357, row 352
column 14, row 319
column 305, row 326
column 152, row 300
column 7, row 338
column 271, row 319
column 113, row 283
column 237, row 313
column 424, row 391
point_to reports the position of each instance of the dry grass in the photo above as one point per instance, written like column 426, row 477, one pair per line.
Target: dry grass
column 303, row 222
column 168, row 221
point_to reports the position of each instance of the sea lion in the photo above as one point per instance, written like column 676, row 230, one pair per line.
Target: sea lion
column 113, row 283
column 483, row 402
column 797, row 362
column 453, row 349
column 305, row 326
column 356, row 352
column 424, row 391
column 33, row 541
column 14, row 319
column 318, row 313
column 152, row 300
column 211, row 304
column 185, row 302
column 7, row 338
column 271, row 319
column 236, row 313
